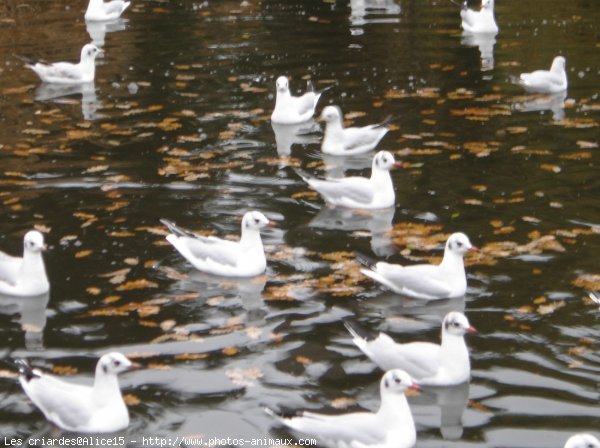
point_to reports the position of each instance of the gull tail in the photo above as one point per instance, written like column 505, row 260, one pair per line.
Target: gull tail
column 175, row 229
column 360, row 335
column 25, row 370
column 387, row 120
column 29, row 62
column 365, row 260
column 310, row 87
column 303, row 174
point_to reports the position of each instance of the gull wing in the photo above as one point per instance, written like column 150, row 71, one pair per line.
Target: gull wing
column 357, row 189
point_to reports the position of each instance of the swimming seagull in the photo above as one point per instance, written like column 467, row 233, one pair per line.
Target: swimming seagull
column 428, row 364
column 216, row 256
column 25, row 276
column 98, row 10
column 294, row 109
column 360, row 429
column 66, row 72
column 481, row 21
column 359, row 192
column 546, row 81
column 340, row 141
column 73, row 407
column 426, row 281
column 582, row 441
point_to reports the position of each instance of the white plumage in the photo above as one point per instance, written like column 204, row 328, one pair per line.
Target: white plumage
column 291, row 109
column 428, row 281
column 481, row 21
column 582, row 441
column 429, row 364
column 98, row 408
column 547, row 81
column 340, row 141
column 243, row 258
column 360, row 192
column 99, row 10
column 66, row 72
column 393, row 419
column 25, row 276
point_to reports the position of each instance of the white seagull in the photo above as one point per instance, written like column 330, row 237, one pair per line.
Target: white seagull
column 546, row 81
column 25, row 276
column 216, row 256
column 340, row 141
column 361, row 429
column 360, row 192
column 426, row 281
column 98, row 10
column 78, row 408
column 582, row 441
column 66, row 72
column 294, row 109
column 429, row 364
column 481, row 21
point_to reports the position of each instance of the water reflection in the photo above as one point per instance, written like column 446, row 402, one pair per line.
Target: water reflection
column 539, row 103
column 98, row 30
column 361, row 9
column 451, row 402
column 32, row 311
column 377, row 222
column 89, row 101
column 336, row 166
column 287, row 135
column 485, row 42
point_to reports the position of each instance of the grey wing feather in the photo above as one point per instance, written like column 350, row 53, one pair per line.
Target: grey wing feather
column 60, row 401
column 356, row 188
column 9, row 267
column 418, row 278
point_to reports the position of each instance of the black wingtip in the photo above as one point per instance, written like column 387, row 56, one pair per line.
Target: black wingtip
column 301, row 173
column 25, row 370
column 387, row 120
column 175, row 229
column 26, row 59
column 365, row 260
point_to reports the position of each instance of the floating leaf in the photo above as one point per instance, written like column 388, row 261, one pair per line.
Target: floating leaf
column 137, row 284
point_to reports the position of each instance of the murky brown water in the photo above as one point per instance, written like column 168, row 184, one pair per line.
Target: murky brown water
column 177, row 126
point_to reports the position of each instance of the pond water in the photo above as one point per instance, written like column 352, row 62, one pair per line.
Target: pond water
column 177, row 125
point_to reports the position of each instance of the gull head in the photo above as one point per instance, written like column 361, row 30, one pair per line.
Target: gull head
column 397, row 381
column 459, row 243
column 558, row 64
column 114, row 363
column 89, row 52
column 582, row 441
column 34, row 241
column 282, row 84
column 487, row 4
column 331, row 114
column 385, row 161
column 457, row 324
column 255, row 220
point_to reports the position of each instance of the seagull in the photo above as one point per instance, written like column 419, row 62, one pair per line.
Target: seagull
column 216, row 256
column 427, row 363
column 481, row 21
column 359, row 429
column 546, row 81
column 91, row 409
column 294, row 109
column 25, row 276
column 66, row 72
column 582, row 441
column 340, row 141
column 426, row 281
column 98, row 10
column 359, row 192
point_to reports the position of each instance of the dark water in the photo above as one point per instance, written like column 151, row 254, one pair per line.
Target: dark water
column 177, row 126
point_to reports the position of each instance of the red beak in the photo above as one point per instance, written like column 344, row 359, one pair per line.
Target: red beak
column 397, row 165
column 472, row 330
column 272, row 224
column 414, row 386
column 474, row 249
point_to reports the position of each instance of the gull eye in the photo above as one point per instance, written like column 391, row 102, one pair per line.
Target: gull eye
column 116, row 363
column 397, row 380
column 459, row 244
column 256, row 220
